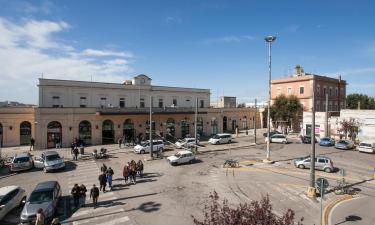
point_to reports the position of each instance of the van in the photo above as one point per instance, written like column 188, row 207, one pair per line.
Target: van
column 21, row 161
column 220, row 139
column 367, row 146
column 157, row 145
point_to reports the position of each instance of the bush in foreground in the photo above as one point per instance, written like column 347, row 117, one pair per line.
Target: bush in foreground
column 253, row 213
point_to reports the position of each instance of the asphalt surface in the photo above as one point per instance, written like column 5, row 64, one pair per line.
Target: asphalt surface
column 172, row 194
column 357, row 211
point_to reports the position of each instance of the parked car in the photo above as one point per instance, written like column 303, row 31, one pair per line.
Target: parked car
column 11, row 197
column 272, row 133
column 278, row 138
column 186, row 143
column 21, row 161
column 326, row 141
column 220, row 139
column 181, row 157
column 367, row 146
column 44, row 196
column 157, row 145
column 321, row 163
column 307, row 139
column 49, row 161
column 344, row 144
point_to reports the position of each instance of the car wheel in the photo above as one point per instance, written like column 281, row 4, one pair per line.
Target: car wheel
column 230, row 141
column 301, row 166
column 216, row 143
column 191, row 161
column 327, row 170
column 142, row 151
column 21, row 202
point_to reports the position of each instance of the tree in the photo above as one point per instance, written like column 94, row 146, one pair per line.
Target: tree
column 366, row 102
column 253, row 213
column 349, row 127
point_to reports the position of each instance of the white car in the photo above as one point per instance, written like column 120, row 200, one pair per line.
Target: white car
column 220, row 139
column 181, row 157
column 368, row 147
column 48, row 161
column 186, row 143
column 22, row 161
column 157, row 145
column 11, row 197
column 278, row 138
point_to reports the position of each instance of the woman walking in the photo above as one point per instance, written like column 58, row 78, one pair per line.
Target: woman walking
column 140, row 168
column 125, row 173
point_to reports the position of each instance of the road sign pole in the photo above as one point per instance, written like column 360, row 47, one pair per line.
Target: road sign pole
column 321, row 201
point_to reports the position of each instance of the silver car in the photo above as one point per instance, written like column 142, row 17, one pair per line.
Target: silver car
column 48, row 161
column 45, row 196
column 21, row 161
column 321, row 163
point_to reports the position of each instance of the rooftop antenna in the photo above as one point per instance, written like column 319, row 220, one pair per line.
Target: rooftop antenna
column 42, row 76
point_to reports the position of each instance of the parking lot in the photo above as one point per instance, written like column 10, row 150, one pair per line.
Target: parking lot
column 171, row 194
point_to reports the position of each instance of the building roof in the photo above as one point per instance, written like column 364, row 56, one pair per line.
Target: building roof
column 307, row 77
column 143, row 76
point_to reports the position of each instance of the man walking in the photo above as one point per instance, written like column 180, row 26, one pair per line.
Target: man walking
column 76, row 194
column 102, row 181
column 75, row 153
column 94, row 194
column 119, row 141
column 32, row 142
column 82, row 195
column 110, row 177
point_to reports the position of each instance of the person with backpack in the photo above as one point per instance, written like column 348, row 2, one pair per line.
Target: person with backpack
column 125, row 173
column 102, row 181
column 76, row 195
column 94, row 194
column 109, row 177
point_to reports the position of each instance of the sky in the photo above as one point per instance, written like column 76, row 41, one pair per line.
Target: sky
column 215, row 44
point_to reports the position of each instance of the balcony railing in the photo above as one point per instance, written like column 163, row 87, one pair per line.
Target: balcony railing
column 155, row 110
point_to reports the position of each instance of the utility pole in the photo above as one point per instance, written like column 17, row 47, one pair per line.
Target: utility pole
column 255, row 121
column 151, row 144
column 195, row 124
column 326, row 121
column 312, row 191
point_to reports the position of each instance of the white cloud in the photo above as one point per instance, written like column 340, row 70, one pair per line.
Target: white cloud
column 229, row 39
column 94, row 52
column 29, row 49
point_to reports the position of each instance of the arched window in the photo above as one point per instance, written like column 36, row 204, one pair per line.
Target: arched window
column 54, row 134
column 84, row 132
column 25, row 133
column 225, row 123
column 128, row 130
column 108, row 132
column 185, row 128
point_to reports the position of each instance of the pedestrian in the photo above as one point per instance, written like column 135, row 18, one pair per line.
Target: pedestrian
column 103, row 169
column 110, row 177
column 133, row 169
column 94, row 194
column 119, row 141
column 40, row 217
column 76, row 195
column 82, row 195
column 125, row 173
column 32, row 142
column 75, row 153
column 140, row 168
column 102, row 181
column 55, row 221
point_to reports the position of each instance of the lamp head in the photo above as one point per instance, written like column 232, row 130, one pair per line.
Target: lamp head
column 270, row 39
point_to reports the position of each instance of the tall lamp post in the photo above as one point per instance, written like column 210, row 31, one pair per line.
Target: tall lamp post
column 269, row 40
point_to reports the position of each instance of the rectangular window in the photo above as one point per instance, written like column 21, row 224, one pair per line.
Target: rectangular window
column 82, row 102
column 141, row 103
column 201, row 104
column 324, row 91
column 289, row 90
column 122, row 103
column 318, row 90
column 278, row 91
column 301, row 90
column 56, row 101
column 161, row 105
column 103, row 102
column 174, row 102
column 337, row 92
column 330, row 92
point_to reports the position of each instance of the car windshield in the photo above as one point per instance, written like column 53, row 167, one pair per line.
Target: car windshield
column 40, row 197
column 52, row 157
column 21, row 159
column 144, row 144
column 178, row 155
column 365, row 145
column 216, row 137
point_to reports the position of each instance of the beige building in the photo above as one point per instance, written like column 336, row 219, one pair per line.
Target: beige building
column 301, row 85
column 101, row 113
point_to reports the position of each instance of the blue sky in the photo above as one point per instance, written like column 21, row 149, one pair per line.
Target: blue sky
column 208, row 44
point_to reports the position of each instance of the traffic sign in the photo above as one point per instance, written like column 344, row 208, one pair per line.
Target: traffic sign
column 322, row 182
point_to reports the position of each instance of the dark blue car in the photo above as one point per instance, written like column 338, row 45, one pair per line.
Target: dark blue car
column 326, row 141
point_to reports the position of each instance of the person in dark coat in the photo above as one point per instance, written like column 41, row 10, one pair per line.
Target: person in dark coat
column 125, row 173
column 76, row 194
column 32, row 142
column 82, row 194
column 94, row 194
column 102, row 181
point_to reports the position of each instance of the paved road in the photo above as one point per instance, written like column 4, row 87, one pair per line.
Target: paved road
column 170, row 195
column 358, row 211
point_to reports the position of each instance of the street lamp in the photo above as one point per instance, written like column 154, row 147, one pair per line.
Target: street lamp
column 269, row 40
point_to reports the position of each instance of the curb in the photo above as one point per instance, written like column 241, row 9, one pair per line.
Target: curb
column 327, row 209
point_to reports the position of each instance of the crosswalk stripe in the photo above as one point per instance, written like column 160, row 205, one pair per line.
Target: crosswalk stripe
column 92, row 220
column 94, row 211
column 117, row 221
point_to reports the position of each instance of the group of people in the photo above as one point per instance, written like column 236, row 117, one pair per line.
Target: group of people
column 131, row 169
column 74, row 148
column 105, row 177
column 79, row 195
